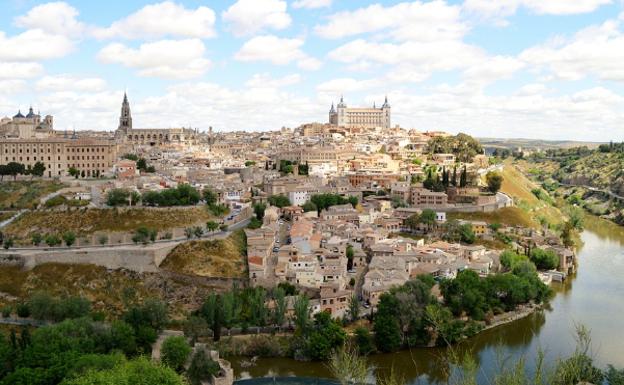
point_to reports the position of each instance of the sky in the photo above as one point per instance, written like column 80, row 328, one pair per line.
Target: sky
column 543, row 69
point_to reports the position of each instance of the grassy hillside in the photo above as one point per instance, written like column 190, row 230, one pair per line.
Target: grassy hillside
column 110, row 291
column 529, row 196
column 25, row 194
column 87, row 221
column 510, row 216
column 212, row 258
column 598, row 169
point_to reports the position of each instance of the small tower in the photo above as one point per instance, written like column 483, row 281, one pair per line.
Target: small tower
column 341, row 113
column 125, row 119
column 333, row 118
column 385, row 108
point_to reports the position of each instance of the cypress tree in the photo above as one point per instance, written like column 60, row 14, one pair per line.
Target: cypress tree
column 217, row 318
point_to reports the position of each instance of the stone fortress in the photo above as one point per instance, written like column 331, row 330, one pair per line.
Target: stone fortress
column 365, row 117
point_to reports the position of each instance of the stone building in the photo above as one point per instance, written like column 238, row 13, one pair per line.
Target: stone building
column 27, row 126
column 367, row 117
column 91, row 156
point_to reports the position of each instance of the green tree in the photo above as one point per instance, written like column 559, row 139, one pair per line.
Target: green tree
column 195, row 328
column 428, row 218
column 302, row 311
column 259, row 210
column 494, row 180
column 138, row 371
column 412, row 221
column 69, row 237
column 386, row 325
column 174, row 352
column 38, row 169
column 279, row 306
column 279, row 201
column 212, row 226
column 309, row 206
column 326, row 335
column 364, row 341
column 36, row 239
column 210, row 197
column 354, row 308
column 14, row 169
column 7, row 243
column 544, row 259
column 52, row 240
column 349, row 253
column 202, row 368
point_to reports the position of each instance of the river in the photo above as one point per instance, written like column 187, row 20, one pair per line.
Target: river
column 593, row 297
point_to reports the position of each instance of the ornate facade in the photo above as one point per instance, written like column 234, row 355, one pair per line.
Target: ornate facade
column 126, row 134
column 351, row 117
column 26, row 126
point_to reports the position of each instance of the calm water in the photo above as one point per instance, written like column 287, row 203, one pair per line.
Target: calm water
column 594, row 297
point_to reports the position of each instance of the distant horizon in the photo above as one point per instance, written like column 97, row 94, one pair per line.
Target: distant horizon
column 548, row 70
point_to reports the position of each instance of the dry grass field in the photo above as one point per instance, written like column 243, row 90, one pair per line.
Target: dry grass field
column 25, row 194
column 224, row 258
column 86, row 221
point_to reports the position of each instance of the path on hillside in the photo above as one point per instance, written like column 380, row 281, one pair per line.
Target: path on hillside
column 596, row 189
column 213, row 235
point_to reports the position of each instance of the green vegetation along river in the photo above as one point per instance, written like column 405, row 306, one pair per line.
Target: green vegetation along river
column 593, row 297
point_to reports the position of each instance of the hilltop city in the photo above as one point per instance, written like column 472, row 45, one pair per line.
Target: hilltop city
column 321, row 226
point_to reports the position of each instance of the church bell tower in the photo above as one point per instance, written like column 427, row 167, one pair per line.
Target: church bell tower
column 125, row 119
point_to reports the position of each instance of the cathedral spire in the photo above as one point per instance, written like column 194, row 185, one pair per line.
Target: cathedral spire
column 125, row 119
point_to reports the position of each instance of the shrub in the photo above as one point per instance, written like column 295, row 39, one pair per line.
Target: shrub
column 6, row 311
column 202, row 368
column 174, row 352
column 23, row 310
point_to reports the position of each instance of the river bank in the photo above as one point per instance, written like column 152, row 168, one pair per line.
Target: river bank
column 592, row 297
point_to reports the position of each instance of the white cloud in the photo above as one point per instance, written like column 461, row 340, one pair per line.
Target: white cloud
column 163, row 19
column 17, row 70
column 195, row 104
column 12, row 86
column 416, row 21
column 532, row 89
column 33, row 45
column 68, row 82
column 279, row 51
column 266, row 81
column 177, row 59
column 493, row 68
column 247, row 17
column 347, row 85
column 57, row 18
column 591, row 114
column 311, row 4
column 498, row 10
column 596, row 50
column 430, row 56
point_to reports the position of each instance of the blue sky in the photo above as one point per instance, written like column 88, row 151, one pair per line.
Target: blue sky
column 550, row 69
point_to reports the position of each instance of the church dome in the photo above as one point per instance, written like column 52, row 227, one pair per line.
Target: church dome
column 18, row 115
column 31, row 114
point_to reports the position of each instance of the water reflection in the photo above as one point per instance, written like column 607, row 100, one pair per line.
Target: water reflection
column 593, row 297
